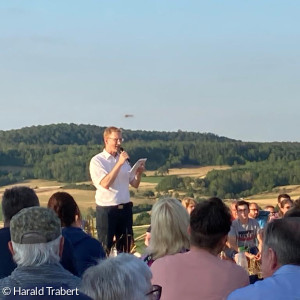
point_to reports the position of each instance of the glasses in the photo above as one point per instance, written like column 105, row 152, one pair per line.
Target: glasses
column 155, row 293
column 242, row 210
column 116, row 140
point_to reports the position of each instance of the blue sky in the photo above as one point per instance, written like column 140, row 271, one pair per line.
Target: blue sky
column 227, row 67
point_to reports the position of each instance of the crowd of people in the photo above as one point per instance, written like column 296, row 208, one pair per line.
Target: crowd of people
column 182, row 260
column 193, row 249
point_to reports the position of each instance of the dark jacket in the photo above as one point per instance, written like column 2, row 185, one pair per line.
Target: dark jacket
column 7, row 265
column 87, row 250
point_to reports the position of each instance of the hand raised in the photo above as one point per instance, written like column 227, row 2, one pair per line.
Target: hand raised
column 123, row 157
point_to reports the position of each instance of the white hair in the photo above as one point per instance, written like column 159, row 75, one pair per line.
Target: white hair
column 36, row 254
column 118, row 278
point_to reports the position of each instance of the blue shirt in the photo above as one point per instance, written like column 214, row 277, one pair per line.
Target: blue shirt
column 282, row 285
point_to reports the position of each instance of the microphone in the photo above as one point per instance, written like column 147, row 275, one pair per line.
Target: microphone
column 121, row 150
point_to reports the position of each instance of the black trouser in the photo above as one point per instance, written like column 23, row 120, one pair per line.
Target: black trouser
column 115, row 221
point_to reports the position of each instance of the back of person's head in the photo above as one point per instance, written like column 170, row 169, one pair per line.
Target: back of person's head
column 169, row 228
column 122, row 277
column 15, row 199
column 65, row 207
column 35, row 236
column 209, row 223
column 283, row 236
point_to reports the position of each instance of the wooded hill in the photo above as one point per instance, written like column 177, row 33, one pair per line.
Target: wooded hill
column 63, row 152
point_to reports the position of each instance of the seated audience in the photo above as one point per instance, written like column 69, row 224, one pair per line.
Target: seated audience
column 189, row 204
column 36, row 245
column 280, row 264
column 87, row 250
column 123, row 277
column 245, row 232
column 200, row 273
column 13, row 200
column 169, row 224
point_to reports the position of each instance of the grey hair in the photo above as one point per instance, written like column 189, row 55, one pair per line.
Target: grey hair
column 118, row 278
column 283, row 236
column 169, row 228
column 36, row 254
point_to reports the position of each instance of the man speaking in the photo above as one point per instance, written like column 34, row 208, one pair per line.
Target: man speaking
column 110, row 174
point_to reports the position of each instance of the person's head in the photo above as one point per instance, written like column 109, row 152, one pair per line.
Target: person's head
column 66, row 209
column 118, row 278
column 272, row 212
column 232, row 207
column 282, row 197
column 297, row 203
column 270, row 208
column 285, row 205
column 242, row 208
column 112, row 137
column 188, row 203
column 15, row 199
column 35, row 237
column 281, row 245
column 169, row 228
column 294, row 211
column 210, row 223
column 253, row 210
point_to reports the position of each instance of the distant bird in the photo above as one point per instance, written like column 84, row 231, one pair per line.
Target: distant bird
column 128, row 116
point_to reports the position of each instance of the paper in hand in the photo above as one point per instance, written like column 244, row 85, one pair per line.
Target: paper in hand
column 137, row 165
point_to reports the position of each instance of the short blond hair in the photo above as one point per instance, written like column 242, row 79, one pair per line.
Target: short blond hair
column 187, row 201
column 169, row 228
column 109, row 130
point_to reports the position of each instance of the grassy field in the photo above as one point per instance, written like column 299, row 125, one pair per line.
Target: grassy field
column 152, row 179
column 270, row 198
column 191, row 171
column 86, row 198
column 139, row 236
